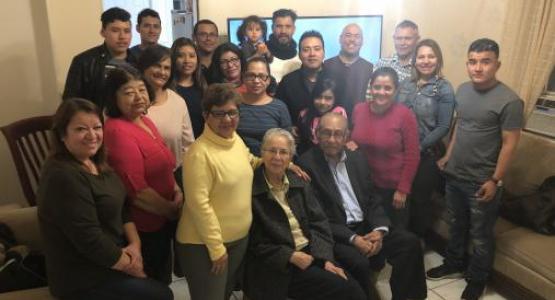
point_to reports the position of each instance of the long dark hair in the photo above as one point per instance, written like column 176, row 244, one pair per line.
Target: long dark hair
column 322, row 84
column 65, row 112
column 215, row 71
column 198, row 78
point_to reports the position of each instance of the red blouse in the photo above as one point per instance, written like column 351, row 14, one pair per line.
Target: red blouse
column 141, row 161
column 390, row 142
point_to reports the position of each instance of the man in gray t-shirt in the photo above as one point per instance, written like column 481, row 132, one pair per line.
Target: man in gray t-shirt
column 487, row 130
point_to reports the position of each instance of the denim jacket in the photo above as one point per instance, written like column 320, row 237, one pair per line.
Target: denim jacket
column 433, row 104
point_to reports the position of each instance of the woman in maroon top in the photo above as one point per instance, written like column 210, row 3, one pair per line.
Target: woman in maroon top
column 387, row 132
column 138, row 154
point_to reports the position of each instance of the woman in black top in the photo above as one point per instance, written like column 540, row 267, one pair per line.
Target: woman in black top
column 92, row 249
column 189, row 80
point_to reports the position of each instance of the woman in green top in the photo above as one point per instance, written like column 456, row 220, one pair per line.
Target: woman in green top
column 92, row 249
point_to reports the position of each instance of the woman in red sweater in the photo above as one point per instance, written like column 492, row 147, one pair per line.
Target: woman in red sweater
column 388, row 133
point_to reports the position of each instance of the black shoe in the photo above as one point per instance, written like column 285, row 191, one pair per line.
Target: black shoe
column 443, row 272
column 473, row 290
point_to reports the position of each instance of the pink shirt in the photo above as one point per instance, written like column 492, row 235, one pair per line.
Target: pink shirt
column 141, row 161
column 390, row 142
column 316, row 121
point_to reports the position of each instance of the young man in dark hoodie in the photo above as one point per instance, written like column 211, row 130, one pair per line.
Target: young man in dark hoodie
column 281, row 43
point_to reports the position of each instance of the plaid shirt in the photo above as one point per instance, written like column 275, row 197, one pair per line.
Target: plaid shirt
column 403, row 71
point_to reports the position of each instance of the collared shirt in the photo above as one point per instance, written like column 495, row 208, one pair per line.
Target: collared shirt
column 280, row 195
column 403, row 71
column 343, row 183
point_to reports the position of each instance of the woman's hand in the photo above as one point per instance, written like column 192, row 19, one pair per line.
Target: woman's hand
column 219, row 265
column 301, row 260
column 329, row 266
column 399, row 200
column 351, row 145
column 299, row 172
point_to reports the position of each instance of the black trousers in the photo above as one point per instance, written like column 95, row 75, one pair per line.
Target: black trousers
column 316, row 283
column 157, row 254
column 422, row 212
column 402, row 250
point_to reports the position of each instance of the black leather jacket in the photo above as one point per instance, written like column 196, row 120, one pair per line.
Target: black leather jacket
column 85, row 78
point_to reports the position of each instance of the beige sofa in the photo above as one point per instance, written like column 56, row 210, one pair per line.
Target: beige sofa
column 24, row 224
column 524, row 260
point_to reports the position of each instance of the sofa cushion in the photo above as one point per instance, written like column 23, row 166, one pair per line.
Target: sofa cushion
column 25, row 226
column 532, row 250
column 31, row 294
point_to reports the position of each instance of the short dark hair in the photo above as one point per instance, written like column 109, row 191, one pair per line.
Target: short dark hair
column 215, row 71
column 150, row 57
column 407, row 24
column 113, row 14
column 206, row 22
column 484, row 44
column 198, row 77
column 387, row 72
column 284, row 12
column 219, row 94
column 255, row 59
column 311, row 33
column 241, row 31
column 65, row 112
column 147, row 12
column 117, row 78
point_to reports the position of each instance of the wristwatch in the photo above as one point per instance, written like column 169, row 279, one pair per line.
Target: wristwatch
column 498, row 182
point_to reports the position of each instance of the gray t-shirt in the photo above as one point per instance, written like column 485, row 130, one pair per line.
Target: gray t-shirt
column 481, row 118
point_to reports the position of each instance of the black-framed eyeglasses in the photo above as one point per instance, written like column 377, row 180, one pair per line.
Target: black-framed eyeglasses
column 252, row 76
column 220, row 114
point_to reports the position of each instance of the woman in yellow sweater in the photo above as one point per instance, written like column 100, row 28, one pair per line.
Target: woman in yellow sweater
column 213, row 230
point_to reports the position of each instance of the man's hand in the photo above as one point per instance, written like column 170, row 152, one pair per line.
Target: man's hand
column 363, row 246
column 376, row 238
column 487, row 191
column 329, row 266
column 301, row 260
column 219, row 265
column 442, row 162
column 399, row 200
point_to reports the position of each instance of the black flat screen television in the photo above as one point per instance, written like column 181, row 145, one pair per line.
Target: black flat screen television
column 330, row 27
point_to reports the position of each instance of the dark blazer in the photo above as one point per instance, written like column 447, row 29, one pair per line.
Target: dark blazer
column 326, row 191
column 271, row 243
column 293, row 90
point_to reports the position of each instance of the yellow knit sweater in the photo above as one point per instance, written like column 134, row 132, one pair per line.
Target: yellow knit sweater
column 217, row 179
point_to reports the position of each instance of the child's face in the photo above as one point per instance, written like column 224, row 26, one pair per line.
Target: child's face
column 253, row 32
column 325, row 102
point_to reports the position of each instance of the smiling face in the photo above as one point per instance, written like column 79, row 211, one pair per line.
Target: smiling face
column 324, row 102
column 230, row 65
column 383, row 90
column 405, row 39
column 223, row 119
column 83, row 135
column 158, row 74
column 186, row 61
column 312, row 53
column 276, row 155
column 351, row 40
column 283, row 29
column 256, row 78
column 132, row 99
column 117, row 36
column 426, row 62
column 149, row 29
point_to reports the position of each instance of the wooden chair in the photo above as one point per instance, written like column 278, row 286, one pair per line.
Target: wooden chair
column 29, row 144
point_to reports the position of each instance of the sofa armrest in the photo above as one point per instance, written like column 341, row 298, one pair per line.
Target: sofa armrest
column 25, row 226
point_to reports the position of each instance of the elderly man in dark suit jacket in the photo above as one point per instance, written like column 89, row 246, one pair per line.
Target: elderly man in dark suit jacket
column 361, row 229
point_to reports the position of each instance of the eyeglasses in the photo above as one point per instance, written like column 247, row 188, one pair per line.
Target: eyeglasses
column 327, row 134
column 252, row 76
column 220, row 114
column 206, row 35
column 276, row 151
column 231, row 61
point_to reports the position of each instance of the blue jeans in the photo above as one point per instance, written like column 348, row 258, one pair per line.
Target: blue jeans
column 474, row 221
